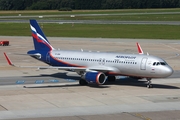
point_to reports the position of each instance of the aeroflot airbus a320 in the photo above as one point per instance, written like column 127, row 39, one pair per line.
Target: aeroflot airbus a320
column 96, row 67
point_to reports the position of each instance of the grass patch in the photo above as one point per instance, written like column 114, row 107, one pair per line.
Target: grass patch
column 118, row 14
column 110, row 11
column 131, row 17
column 94, row 31
column 142, row 17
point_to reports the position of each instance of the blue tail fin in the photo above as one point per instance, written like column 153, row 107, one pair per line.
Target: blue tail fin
column 40, row 40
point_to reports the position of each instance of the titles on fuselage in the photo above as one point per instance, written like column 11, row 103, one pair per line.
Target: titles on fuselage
column 57, row 54
column 126, row 57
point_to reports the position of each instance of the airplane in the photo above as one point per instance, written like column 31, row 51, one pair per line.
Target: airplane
column 96, row 67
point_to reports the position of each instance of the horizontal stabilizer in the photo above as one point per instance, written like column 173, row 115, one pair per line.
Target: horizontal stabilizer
column 37, row 55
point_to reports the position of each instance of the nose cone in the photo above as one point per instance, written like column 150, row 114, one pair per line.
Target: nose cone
column 168, row 71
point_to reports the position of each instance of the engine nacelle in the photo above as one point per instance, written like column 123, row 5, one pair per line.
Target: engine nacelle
column 95, row 77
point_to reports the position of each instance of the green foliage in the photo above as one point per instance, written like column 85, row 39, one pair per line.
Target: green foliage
column 5, row 5
column 65, row 9
column 85, row 4
column 40, row 5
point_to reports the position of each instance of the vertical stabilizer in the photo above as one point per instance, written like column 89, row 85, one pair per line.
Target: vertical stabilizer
column 40, row 40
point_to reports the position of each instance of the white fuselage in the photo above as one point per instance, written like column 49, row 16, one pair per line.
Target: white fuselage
column 119, row 64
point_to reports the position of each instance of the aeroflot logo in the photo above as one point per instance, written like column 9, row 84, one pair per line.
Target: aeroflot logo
column 126, row 57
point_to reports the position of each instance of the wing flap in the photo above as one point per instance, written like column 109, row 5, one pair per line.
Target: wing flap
column 104, row 69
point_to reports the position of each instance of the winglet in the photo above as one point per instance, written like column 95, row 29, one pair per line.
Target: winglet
column 8, row 60
column 139, row 49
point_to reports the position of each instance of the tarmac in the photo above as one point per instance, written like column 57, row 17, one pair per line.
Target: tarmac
column 23, row 95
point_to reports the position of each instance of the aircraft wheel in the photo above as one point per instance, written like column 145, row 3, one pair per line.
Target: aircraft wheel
column 82, row 82
column 149, row 86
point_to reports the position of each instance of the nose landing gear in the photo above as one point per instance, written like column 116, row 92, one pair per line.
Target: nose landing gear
column 149, row 85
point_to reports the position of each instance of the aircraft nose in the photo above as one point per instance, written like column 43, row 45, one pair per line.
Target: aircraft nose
column 168, row 71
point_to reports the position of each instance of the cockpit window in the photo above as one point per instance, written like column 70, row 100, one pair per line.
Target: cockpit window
column 163, row 63
column 159, row 63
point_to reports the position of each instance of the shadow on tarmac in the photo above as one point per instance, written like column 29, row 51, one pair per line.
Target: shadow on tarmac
column 73, row 85
column 139, row 83
column 57, row 75
column 122, row 82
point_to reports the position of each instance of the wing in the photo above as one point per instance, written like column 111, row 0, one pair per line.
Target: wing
column 93, row 68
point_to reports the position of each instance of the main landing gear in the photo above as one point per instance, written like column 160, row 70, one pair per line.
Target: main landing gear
column 149, row 85
column 82, row 82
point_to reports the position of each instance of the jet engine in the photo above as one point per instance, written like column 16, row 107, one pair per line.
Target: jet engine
column 95, row 77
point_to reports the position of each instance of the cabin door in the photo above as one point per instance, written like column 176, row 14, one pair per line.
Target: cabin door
column 48, row 58
column 143, row 64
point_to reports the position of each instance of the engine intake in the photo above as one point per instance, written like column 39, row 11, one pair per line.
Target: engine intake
column 95, row 77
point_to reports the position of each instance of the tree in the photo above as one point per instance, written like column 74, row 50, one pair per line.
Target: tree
column 40, row 5
column 112, row 4
column 18, row 5
column 85, row 4
column 66, row 4
column 5, row 4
